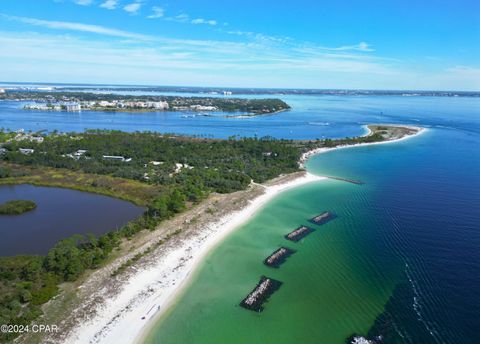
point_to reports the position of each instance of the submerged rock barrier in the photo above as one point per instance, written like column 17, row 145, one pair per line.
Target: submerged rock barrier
column 278, row 257
column 259, row 295
column 322, row 218
column 299, row 233
column 352, row 181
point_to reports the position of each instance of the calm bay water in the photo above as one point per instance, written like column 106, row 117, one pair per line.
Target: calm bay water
column 311, row 117
column 60, row 213
column 401, row 260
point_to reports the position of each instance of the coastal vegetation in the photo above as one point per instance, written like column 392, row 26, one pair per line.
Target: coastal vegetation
column 16, row 207
column 115, row 102
column 219, row 165
column 165, row 173
column 27, row 282
column 130, row 190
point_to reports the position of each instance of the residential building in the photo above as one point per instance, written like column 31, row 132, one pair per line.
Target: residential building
column 26, row 151
column 73, row 107
column 116, row 158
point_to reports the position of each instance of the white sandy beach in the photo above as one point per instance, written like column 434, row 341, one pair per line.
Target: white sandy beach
column 128, row 316
column 313, row 152
column 149, row 292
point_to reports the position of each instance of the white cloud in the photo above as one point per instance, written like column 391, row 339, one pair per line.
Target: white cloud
column 465, row 70
column 464, row 73
column 133, row 7
column 241, row 33
column 362, row 46
column 31, row 56
column 204, row 21
column 109, row 4
column 260, row 36
column 158, row 12
column 185, row 18
column 59, row 25
column 181, row 18
column 83, row 2
column 204, row 56
column 252, row 61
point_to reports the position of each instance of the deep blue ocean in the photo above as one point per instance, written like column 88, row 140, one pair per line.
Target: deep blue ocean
column 426, row 191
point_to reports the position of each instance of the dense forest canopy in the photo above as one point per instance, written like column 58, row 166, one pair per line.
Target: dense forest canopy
column 222, row 165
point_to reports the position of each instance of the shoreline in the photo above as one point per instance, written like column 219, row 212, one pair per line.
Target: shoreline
column 253, row 114
column 146, row 331
column 305, row 156
column 150, row 292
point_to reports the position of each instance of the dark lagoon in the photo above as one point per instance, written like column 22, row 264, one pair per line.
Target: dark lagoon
column 60, row 213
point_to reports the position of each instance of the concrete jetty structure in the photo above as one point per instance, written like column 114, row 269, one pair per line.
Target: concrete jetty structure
column 322, row 218
column 298, row 233
column 260, row 294
column 352, row 181
column 278, row 257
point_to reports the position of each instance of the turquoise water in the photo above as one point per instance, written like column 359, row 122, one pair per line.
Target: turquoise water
column 330, row 286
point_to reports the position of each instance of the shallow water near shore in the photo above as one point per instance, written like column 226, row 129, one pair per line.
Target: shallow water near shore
column 325, row 276
column 399, row 261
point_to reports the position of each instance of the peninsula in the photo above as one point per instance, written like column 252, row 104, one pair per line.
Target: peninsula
column 196, row 191
column 79, row 101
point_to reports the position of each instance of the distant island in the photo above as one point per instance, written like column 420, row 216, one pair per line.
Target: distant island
column 16, row 207
column 77, row 101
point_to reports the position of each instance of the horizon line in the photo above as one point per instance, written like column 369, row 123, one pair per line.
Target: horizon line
column 234, row 88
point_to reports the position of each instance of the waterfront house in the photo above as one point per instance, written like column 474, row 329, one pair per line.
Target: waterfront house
column 157, row 105
column 73, row 107
column 105, row 103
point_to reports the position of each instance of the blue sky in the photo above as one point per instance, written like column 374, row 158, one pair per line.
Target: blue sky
column 287, row 44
